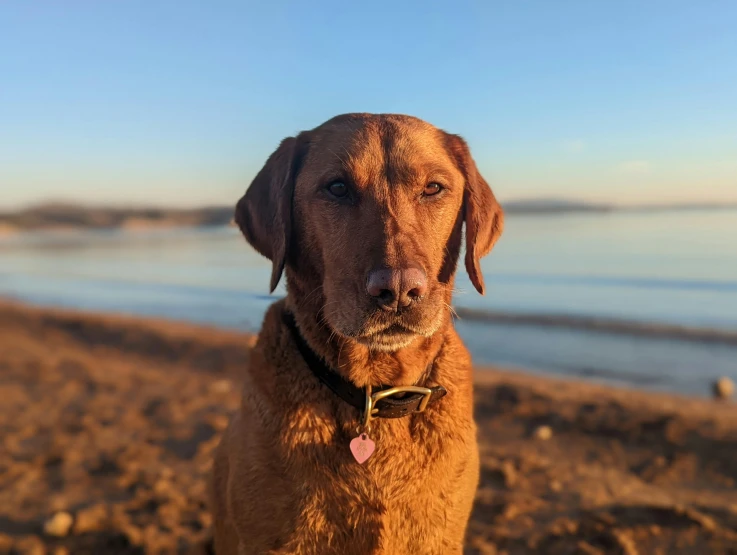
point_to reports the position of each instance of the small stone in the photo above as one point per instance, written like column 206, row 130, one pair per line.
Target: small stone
column 134, row 534
column 162, row 487
column 625, row 541
column 511, row 511
column 571, row 527
column 205, row 519
column 510, row 473
column 543, row 433
column 723, row 388
column 166, row 473
column 58, row 525
column 168, row 514
column 705, row 521
column 221, row 386
column 61, row 551
column 91, row 519
column 556, row 486
column 218, row 421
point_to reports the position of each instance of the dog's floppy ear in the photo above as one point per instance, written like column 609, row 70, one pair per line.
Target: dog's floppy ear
column 264, row 213
column 483, row 215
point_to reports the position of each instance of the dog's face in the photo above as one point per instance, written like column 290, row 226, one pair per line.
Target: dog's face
column 367, row 210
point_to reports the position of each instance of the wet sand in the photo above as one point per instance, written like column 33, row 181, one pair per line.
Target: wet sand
column 113, row 421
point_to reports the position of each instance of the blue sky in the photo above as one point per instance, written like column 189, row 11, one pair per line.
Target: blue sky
column 179, row 103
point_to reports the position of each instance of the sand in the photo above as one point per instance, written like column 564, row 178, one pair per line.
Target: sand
column 108, row 424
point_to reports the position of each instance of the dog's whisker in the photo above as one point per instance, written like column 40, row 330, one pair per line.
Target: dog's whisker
column 315, row 290
column 340, row 351
column 343, row 161
column 451, row 310
column 323, row 322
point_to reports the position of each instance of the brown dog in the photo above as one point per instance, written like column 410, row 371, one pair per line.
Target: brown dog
column 365, row 215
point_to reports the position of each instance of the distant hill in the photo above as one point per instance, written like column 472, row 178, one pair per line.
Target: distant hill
column 68, row 216
column 551, row 206
column 557, row 206
column 55, row 216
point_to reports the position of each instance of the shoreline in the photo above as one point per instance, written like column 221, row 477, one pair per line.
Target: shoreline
column 113, row 419
column 580, row 322
column 635, row 328
column 485, row 331
column 91, row 328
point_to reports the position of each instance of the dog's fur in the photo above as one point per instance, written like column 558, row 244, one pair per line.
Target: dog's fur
column 284, row 479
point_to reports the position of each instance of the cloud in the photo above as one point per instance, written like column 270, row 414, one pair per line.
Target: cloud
column 635, row 166
column 574, row 146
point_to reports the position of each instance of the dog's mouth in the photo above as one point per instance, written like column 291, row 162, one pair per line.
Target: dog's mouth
column 381, row 330
column 390, row 338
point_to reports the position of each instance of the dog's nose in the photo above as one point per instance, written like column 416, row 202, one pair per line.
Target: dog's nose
column 396, row 288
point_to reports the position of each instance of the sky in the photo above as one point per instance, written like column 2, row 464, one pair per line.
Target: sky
column 179, row 103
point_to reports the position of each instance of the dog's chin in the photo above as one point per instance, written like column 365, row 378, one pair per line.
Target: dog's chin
column 390, row 339
column 387, row 341
column 381, row 332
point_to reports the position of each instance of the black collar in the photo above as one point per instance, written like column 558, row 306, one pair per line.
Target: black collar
column 388, row 407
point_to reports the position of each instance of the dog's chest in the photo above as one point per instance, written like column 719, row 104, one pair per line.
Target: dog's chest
column 396, row 500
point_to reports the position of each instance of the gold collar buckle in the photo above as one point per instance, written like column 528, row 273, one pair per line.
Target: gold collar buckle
column 370, row 409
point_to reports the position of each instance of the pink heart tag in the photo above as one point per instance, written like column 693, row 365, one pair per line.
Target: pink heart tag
column 362, row 448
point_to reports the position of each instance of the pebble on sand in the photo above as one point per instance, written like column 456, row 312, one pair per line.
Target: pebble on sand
column 543, row 433
column 221, row 386
column 59, row 525
column 91, row 519
column 723, row 388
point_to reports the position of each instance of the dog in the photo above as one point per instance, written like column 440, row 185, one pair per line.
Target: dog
column 356, row 432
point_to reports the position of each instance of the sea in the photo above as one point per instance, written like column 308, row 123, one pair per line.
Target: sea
column 661, row 287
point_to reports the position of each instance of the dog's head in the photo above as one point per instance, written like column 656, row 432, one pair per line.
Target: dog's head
column 366, row 213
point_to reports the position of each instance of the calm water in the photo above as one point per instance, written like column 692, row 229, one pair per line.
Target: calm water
column 668, row 267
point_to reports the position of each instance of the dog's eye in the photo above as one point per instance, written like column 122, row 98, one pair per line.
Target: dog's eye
column 432, row 189
column 338, row 189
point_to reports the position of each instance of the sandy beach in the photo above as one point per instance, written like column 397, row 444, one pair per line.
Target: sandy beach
column 108, row 424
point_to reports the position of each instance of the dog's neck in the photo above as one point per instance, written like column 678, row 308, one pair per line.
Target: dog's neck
column 356, row 362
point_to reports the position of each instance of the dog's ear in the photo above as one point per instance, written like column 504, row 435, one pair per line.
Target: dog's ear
column 483, row 215
column 264, row 213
